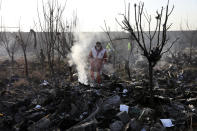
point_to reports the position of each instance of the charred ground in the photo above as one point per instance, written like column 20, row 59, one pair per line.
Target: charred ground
column 62, row 103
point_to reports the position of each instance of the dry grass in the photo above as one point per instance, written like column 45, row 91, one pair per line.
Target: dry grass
column 3, row 74
column 21, row 82
column 37, row 75
column 20, row 61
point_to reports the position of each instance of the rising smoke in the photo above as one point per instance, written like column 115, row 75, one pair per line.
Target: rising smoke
column 79, row 56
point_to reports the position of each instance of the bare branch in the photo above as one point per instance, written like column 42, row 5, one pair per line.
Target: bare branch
column 170, row 46
column 137, row 23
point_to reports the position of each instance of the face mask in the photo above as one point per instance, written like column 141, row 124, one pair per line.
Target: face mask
column 98, row 48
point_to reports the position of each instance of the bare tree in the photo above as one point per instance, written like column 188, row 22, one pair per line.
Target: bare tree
column 107, row 31
column 50, row 27
column 10, row 45
column 24, row 42
column 151, row 43
column 114, row 50
column 67, row 37
column 8, row 42
column 66, row 40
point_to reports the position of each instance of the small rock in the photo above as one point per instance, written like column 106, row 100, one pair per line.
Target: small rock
column 135, row 125
column 111, row 102
column 117, row 126
column 43, row 123
column 123, row 116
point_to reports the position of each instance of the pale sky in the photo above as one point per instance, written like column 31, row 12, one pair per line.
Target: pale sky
column 92, row 13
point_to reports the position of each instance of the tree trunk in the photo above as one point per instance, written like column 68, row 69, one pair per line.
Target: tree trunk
column 151, row 78
column 114, row 60
column 26, row 64
column 127, row 69
column 128, row 64
column 70, row 73
column 12, row 62
column 51, row 67
column 59, row 64
column 50, row 64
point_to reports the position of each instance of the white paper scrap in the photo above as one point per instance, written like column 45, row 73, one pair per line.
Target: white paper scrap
column 37, row 107
column 167, row 122
column 124, row 108
column 125, row 91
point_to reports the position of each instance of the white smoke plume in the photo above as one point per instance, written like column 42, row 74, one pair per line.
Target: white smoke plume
column 79, row 56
